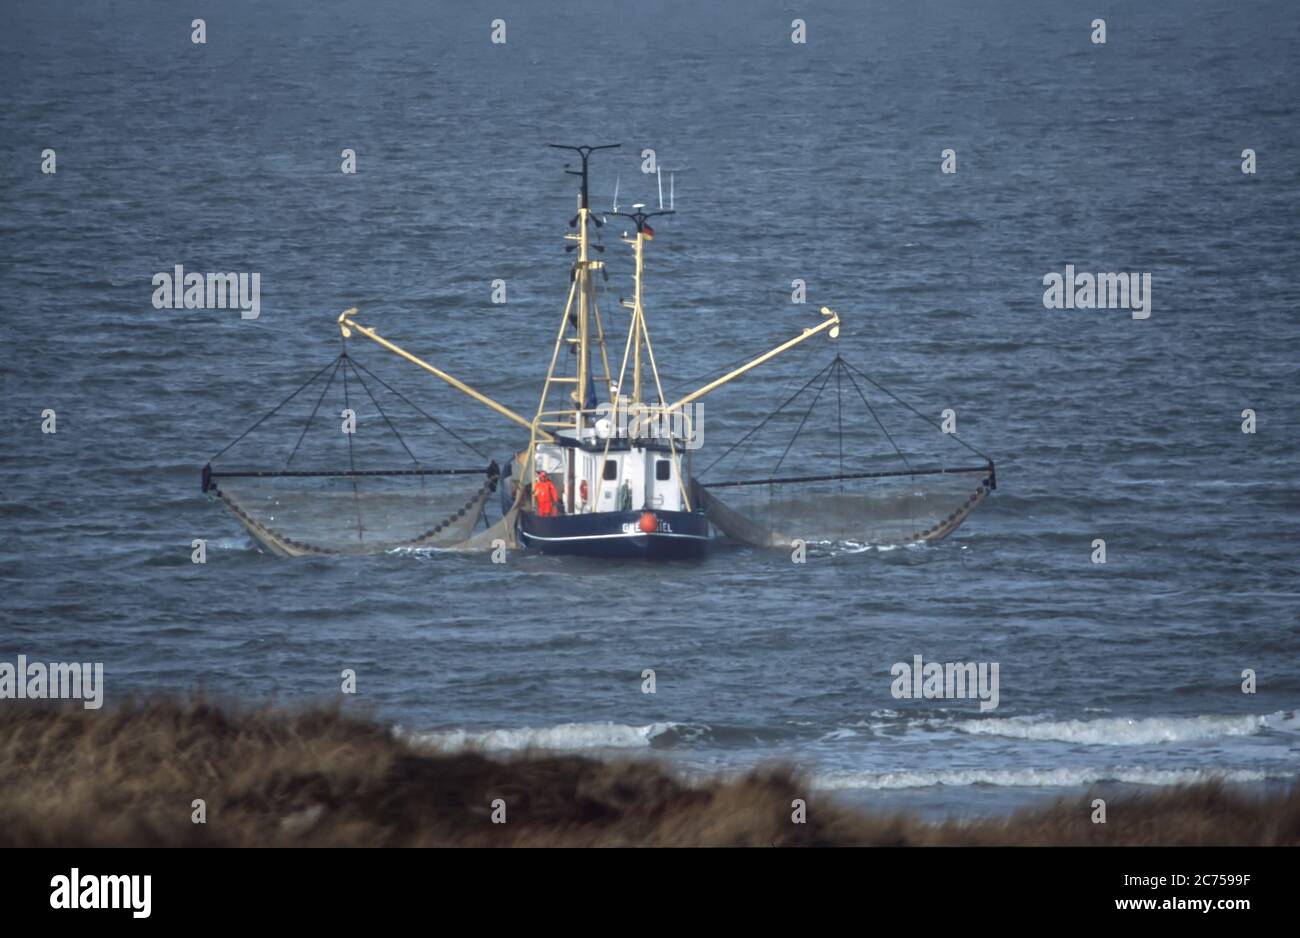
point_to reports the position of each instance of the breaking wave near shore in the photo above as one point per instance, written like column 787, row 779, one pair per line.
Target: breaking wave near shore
column 889, row 751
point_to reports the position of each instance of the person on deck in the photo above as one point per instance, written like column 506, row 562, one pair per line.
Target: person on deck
column 547, row 497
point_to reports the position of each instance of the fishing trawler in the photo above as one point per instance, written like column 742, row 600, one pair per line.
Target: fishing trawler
column 608, row 477
column 607, row 469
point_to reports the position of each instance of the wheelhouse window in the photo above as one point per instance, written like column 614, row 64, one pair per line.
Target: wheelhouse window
column 611, row 470
column 663, row 470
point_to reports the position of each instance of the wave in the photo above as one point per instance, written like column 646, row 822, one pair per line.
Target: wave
column 1111, row 731
column 1122, row 731
column 564, row 737
column 1035, row 778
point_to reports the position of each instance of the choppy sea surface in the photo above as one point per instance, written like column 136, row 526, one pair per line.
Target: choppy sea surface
column 818, row 162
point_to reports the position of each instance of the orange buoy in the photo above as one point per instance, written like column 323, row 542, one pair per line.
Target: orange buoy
column 649, row 523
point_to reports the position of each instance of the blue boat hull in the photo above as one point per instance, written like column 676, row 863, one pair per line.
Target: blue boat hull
column 618, row 534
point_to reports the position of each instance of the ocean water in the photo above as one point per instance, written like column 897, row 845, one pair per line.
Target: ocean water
column 819, row 162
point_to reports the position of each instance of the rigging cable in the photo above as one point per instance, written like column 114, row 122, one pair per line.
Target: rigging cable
column 337, row 363
column 932, row 423
column 374, row 401
column 807, row 414
column 879, row 422
column 302, row 387
column 352, row 465
column 762, row 423
column 839, row 412
column 452, row 433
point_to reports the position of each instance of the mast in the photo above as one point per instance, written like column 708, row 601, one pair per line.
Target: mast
column 638, row 335
column 581, row 327
column 638, row 331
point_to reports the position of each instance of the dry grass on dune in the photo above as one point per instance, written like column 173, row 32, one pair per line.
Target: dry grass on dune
column 128, row 776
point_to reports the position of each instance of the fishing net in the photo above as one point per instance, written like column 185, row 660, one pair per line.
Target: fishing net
column 852, row 511
column 383, row 498
column 855, row 495
column 354, row 513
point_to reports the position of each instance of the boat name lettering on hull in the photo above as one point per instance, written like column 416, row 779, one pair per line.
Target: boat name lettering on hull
column 634, row 527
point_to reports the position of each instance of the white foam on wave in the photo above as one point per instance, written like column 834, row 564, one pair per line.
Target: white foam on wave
column 231, row 543
column 1033, row 778
column 858, row 547
column 1122, row 731
column 565, row 737
column 842, row 733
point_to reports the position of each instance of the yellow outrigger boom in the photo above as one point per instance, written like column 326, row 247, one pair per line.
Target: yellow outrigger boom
column 347, row 325
column 833, row 324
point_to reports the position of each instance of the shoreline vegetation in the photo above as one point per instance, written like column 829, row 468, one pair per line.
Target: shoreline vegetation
column 130, row 776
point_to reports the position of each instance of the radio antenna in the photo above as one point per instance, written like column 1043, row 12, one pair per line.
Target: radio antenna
column 617, row 180
column 660, row 179
column 584, row 152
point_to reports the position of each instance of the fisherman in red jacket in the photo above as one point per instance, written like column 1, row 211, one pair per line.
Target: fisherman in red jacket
column 547, row 497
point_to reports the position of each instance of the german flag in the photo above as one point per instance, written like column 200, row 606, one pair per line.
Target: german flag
column 649, row 232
